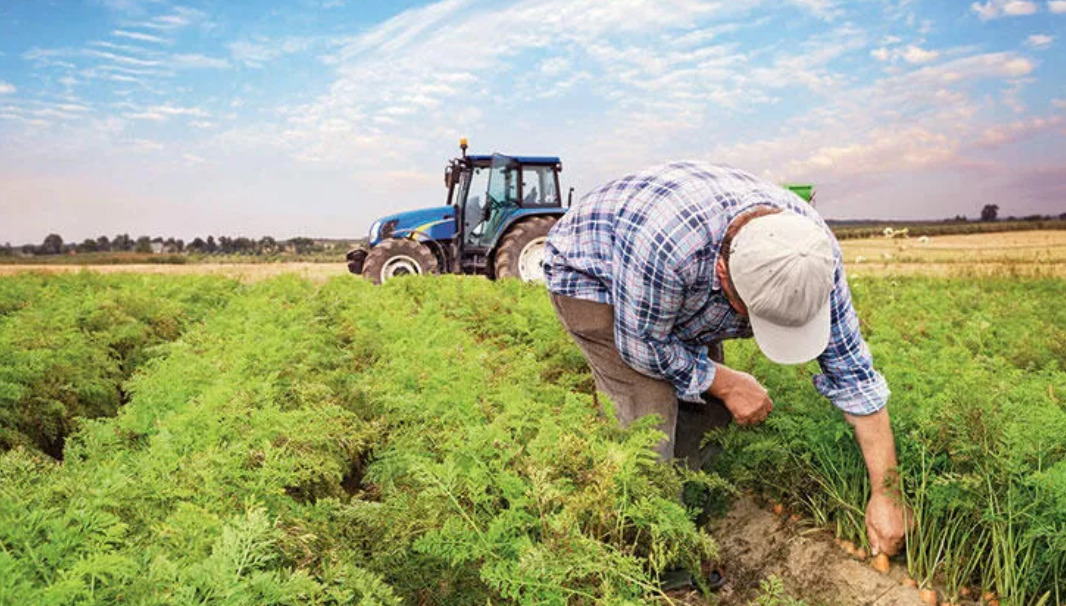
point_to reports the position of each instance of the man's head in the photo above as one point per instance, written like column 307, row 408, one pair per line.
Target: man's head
column 777, row 267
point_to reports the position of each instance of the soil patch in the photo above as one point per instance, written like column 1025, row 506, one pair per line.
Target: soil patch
column 755, row 544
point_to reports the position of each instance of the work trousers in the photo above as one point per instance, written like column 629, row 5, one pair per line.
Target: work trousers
column 635, row 395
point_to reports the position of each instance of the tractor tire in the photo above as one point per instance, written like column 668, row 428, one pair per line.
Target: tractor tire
column 521, row 252
column 398, row 257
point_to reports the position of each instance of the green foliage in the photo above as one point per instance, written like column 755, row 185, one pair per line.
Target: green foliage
column 351, row 444
column 67, row 343
column 976, row 369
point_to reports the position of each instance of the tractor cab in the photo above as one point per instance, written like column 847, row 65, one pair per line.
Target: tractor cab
column 491, row 194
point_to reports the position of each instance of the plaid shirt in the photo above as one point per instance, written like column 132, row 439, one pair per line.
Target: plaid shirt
column 647, row 244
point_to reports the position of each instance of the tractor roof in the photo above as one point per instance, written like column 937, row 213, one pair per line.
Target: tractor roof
column 519, row 159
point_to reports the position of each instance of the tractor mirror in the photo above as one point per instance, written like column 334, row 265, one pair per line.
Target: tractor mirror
column 449, row 177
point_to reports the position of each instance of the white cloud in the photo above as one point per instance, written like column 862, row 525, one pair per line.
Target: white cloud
column 1019, row 130
column 1058, row 103
column 139, row 36
column 257, row 52
column 179, row 18
column 6, row 88
column 1039, row 41
column 912, row 54
column 161, row 113
column 916, row 55
column 1057, row 6
column 145, row 145
column 994, row 9
column 198, row 62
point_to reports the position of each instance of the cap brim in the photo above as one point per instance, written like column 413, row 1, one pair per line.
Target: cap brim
column 793, row 344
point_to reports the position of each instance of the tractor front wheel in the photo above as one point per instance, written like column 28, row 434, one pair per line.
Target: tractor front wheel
column 521, row 252
column 398, row 257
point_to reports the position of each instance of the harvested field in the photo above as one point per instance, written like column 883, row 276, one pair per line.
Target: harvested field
column 1024, row 254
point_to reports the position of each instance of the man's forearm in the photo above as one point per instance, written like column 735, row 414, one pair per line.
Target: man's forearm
column 874, row 434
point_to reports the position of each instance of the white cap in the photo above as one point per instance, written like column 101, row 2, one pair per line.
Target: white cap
column 782, row 267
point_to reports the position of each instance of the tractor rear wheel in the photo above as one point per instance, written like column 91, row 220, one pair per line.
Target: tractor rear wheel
column 521, row 252
column 398, row 257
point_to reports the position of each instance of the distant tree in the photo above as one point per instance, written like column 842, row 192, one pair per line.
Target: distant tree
column 243, row 246
column 103, row 244
column 268, row 245
column 6, row 250
column 960, row 218
column 225, row 245
column 197, row 245
column 88, row 246
column 122, row 243
column 990, row 212
column 1062, row 216
column 143, row 245
column 52, row 245
column 211, row 246
column 302, row 246
column 179, row 245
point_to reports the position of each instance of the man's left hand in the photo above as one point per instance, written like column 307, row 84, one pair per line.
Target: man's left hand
column 886, row 522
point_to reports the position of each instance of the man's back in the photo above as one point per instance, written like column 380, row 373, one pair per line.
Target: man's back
column 675, row 213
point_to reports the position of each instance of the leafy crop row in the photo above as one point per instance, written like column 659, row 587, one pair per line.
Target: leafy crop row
column 67, row 343
column 978, row 376
column 431, row 441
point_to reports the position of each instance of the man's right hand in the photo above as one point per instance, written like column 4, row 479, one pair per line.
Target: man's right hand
column 742, row 394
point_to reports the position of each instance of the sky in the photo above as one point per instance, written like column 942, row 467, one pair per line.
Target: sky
column 314, row 117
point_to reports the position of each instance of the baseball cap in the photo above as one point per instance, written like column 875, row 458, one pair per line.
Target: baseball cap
column 782, row 267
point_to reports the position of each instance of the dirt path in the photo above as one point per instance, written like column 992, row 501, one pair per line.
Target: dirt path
column 755, row 544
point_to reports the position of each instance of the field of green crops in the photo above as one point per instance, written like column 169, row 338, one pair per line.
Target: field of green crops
column 194, row 440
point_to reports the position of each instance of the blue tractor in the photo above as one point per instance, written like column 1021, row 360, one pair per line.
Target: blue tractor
column 495, row 223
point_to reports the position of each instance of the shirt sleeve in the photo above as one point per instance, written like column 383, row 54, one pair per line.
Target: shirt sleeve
column 647, row 293
column 849, row 379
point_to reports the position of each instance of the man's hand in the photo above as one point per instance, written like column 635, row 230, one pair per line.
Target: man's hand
column 885, row 522
column 745, row 398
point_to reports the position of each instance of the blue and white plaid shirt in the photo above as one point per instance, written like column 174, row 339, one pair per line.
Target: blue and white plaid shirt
column 647, row 244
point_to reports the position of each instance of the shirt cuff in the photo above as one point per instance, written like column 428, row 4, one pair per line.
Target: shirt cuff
column 859, row 399
column 702, row 376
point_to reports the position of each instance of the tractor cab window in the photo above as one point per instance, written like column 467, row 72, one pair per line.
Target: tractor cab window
column 539, row 186
column 476, row 191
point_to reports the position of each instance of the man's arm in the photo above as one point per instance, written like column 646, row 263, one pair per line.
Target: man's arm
column 885, row 525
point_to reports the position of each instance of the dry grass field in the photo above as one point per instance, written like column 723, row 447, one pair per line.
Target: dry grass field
column 1018, row 253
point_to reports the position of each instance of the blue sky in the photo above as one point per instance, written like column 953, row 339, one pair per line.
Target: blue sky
column 312, row 117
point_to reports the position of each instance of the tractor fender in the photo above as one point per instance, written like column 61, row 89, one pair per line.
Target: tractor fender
column 522, row 215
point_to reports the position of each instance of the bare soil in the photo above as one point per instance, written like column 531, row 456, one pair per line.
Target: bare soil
column 755, row 544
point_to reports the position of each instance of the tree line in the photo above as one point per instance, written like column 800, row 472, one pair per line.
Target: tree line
column 53, row 244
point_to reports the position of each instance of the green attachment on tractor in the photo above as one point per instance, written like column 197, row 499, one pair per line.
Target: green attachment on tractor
column 803, row 190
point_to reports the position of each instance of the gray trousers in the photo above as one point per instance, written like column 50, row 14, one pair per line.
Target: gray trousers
column 635, row 395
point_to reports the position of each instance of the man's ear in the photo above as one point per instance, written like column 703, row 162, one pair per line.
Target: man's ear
column 720, row 270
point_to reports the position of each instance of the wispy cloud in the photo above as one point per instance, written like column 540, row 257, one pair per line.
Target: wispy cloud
column 258, row 52
column 994, row 9
column 912, row 54
column 139, row 36
column 162, row 113
column 6, row 88
column 196, row 61
column 1057, row 6
column 178, row 18
column 1039, row 41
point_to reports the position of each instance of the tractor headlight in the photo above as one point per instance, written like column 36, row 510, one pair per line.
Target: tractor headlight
column 374, row 229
